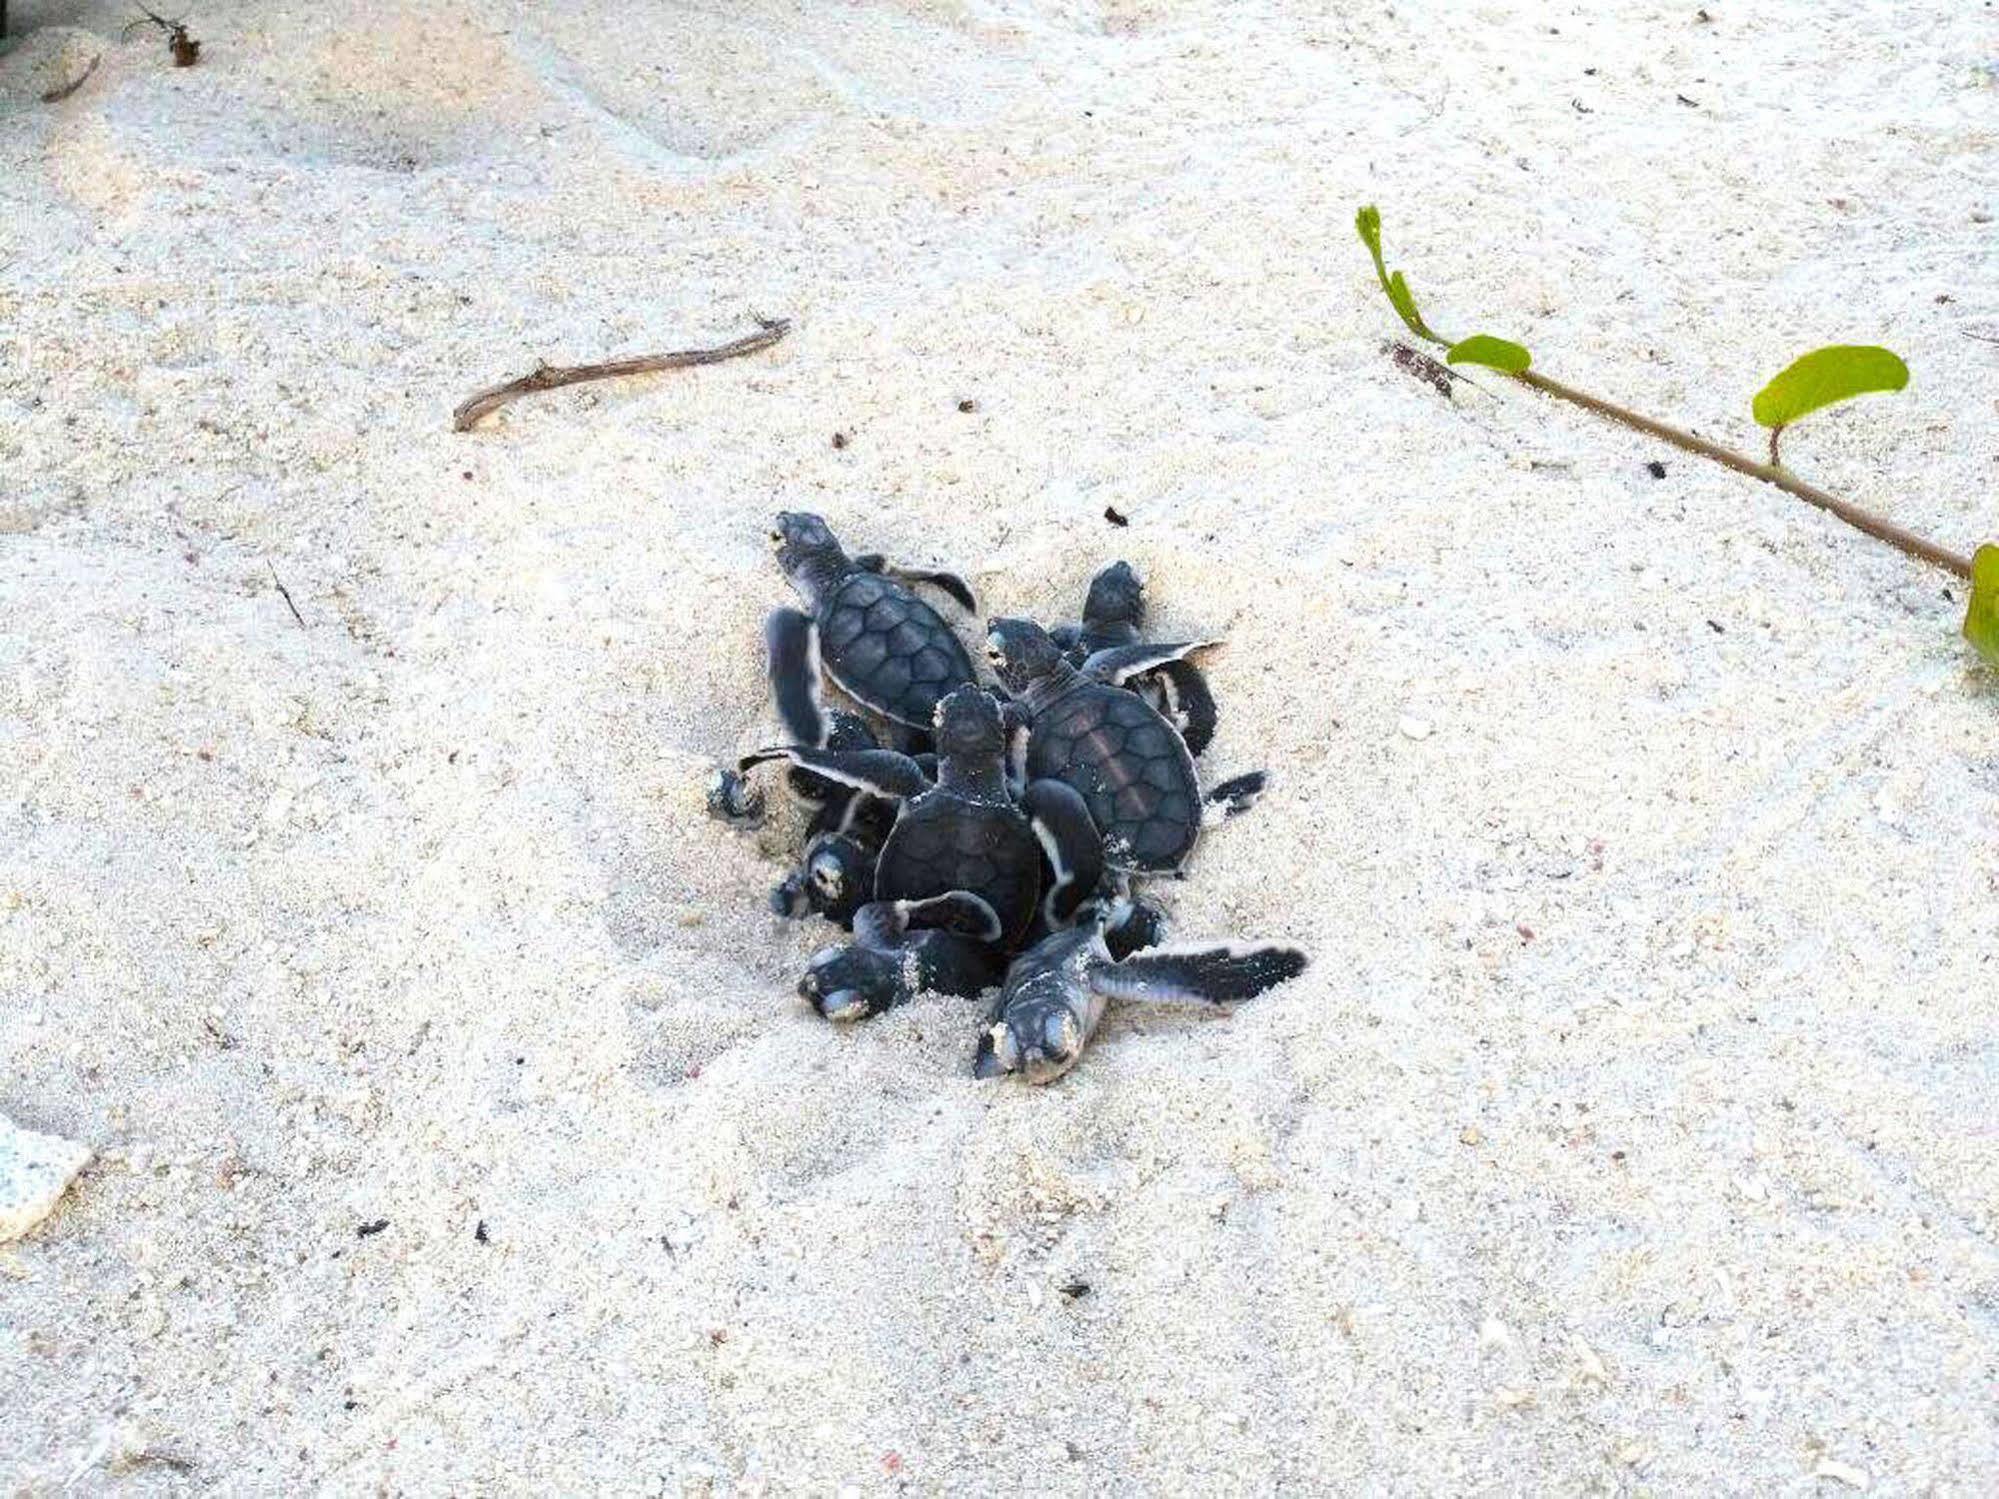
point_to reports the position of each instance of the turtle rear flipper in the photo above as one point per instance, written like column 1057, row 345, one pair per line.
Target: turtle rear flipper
column 1213, row 975
column 1233, row 797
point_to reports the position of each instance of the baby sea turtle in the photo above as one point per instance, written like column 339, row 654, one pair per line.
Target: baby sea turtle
column 836, row 872
column 944, row 945
column 1113, row 616
column 965, row 830
column 1132, row 769
column 881, row 644
column 1056, row 992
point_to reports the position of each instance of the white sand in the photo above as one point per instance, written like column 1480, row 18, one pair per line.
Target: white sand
column 413, row 914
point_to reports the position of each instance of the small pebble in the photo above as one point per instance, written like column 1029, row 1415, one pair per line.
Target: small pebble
column 1846, row 1473
column 1415, row 728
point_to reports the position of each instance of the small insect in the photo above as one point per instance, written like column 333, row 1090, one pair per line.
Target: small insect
column 185, row 49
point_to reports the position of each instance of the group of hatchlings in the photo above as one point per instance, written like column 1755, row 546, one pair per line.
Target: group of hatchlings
column 991, row 837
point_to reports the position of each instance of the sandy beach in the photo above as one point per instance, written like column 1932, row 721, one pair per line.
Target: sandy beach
column 454, row 1125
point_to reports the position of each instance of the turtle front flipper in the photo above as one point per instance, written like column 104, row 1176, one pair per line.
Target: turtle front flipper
column 1189, row 703
column 883, row 923
column 792, row 642
column 881, row 773
column 1070, row 843
column 1119, row 662
column 1017, row 726
column 950, row 583
column 1220, row 973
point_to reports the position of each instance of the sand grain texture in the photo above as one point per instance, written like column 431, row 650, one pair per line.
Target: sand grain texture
column 1635, row 1130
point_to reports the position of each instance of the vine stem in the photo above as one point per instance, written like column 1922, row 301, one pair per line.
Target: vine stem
column 1770, row 473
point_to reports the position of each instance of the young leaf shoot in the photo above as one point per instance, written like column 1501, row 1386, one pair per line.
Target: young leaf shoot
column 1500, row 354
column 1823, row 378
column 1368, row 223
column 1820, row 379
column 1981, row 619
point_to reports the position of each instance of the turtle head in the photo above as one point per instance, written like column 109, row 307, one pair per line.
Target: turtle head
column 851, row 982
column 1040, row 1039
column 969, row 725
column 839, row 873
column 1117, row 597
column 804, row 545
column 1021, row 653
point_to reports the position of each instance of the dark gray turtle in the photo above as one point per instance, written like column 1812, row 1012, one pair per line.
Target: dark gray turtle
column 965, row 831
column 881, row 644
column 1106, row 645
column 945, row 945
column 836, row 872
column 1056, row 992
column 1111, row 746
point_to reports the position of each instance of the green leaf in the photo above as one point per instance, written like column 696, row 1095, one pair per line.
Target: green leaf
column 1500, row 354
column 1367, row 223
column 1981, row 619
column 1825, row 376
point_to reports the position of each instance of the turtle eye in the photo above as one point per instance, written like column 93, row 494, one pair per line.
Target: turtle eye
column 776, row 539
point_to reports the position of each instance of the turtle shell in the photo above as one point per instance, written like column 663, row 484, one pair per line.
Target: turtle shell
column 945, row 842
column 1130, row 766
column 888, row 650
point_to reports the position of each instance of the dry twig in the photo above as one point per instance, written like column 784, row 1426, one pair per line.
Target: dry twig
column 57, row 95
column 287, row 593
column 551, row 377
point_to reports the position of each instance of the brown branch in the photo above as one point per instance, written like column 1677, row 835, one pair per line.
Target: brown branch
column 57, row 95
column 551, row 377
column 1861, row 520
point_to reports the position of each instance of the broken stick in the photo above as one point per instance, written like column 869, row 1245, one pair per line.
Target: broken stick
column 57, row 95
column 550, row 377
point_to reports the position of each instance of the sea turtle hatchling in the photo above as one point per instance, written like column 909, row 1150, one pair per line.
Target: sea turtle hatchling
column 881, row 644
column 965, row 830
column 1106, row 644
column 1129, row 765
column 944, row 945
column 1056, row 992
